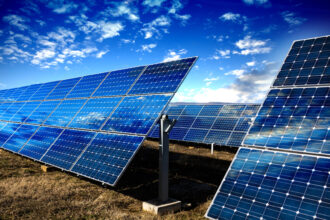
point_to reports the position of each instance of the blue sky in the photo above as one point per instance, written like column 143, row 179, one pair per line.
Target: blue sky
column 241, row 44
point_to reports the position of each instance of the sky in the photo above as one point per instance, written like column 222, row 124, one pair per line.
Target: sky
column 241, row 44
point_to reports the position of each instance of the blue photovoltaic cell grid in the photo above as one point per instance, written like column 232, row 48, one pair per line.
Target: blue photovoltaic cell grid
column 40, row 142
column 137, row 114
column 64, row 152
column 118, row 82
column 44, row 90
column 7, row 131
column 59, row 123
column 287, row 182
column 222, row 124
column 107, row 156
column 306, row 64
column 162, row 77
column 62, row 89
column 297, row 119
column 273, row 185
column 11, row 110
column 22, row 114
column 41, row 113
column 94, row 113
column 20, row 136
column 86, row 86
column 26, row 95
column 64, row 113
column 294, row 119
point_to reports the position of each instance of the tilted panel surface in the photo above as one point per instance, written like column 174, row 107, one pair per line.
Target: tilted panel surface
column 88, row 125
column 86, row 86
column 263, row 184
column 307, row 64
column 39, row 143
column 118, row 82
column 297, row 118
column 162, row 77
column 222, row 124
column 107, row 156
column 19, row 137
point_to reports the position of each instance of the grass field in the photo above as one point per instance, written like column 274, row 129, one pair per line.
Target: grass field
column 28, row 193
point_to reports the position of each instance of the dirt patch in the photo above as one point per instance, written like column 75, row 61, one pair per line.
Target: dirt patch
column 27, row 192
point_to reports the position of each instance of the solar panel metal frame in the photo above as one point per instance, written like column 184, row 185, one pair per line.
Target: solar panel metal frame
column 171, row 94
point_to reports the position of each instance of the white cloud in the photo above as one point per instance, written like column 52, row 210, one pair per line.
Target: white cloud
column 173, row 55
column 251, row 46
column 110, row 30
column 148, row 47
column 151, row 28
column 42, row 55
column 127, row 41
column 60, row 7
column 257, row 2
column 16, row 21
column 252, row 63
column 66, row 68
column 221, row 54
column 124, row 9
column 209, row 81
column 292, row 19
column 101, row 53
column 176, row 6
column 229, row 16
column 238, row 73
column 153, row 3
column 251, row 87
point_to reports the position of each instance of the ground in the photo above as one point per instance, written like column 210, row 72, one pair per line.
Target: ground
column 28, row 193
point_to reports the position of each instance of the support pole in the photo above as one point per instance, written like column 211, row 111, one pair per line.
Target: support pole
column 165, row 126
column 212, row 148
column 163, row 204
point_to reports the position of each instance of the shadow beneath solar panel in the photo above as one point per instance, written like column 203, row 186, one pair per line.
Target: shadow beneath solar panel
column 193, row 178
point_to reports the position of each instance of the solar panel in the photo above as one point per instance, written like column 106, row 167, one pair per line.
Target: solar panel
column 285, row 171
column 292, row 118
column 222, row 124
column 264, row 184
column 91, row 125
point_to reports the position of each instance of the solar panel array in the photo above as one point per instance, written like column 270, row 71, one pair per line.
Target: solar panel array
column 221, row 124
column 283, row 172
column 91, row 125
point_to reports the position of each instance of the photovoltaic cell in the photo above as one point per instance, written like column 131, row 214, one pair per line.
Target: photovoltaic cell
column 59, row 123
column 273, row 185
column 65, row 112
column 63, row 88
column 41, row 113
column 19, row 137
column 210, row 123
column 44, row 90
column 94, row 113
column 163, row 77
column 64, row 152
column 118, row 82
column 86, row 86
column 107, row 156
column 289, row 180
column 136, row 114
column 37, row 146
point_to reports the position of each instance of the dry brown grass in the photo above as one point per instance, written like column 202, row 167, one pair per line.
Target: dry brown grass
column 28, row 193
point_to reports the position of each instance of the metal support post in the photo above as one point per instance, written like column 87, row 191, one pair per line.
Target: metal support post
column 212, row 148
column 165, row 127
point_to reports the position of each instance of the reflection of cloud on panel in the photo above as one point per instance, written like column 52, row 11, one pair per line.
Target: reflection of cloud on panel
column 97, row 116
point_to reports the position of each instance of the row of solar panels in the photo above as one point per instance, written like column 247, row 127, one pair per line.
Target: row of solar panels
column 290, row 177
column 221, row 124
column 92, row 125
column 157, row 78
